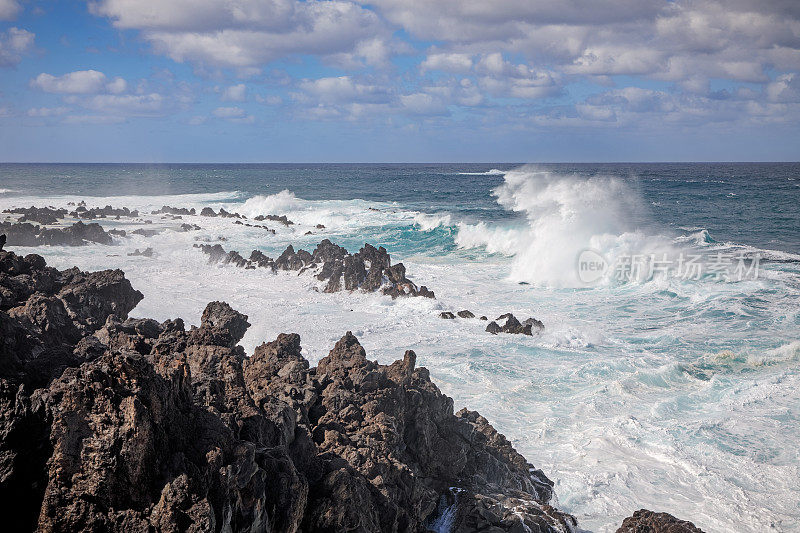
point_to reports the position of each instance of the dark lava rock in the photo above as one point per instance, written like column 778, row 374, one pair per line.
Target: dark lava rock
column 447, row 315
column 146, row 232
column 534, row 323
column 141, row 426
column 189, row 227
column 102, row 212
column 368, row 270
column 178, row 211
column 280, row 219
column 40, row 215
column 26, row 234
column 644, row 521
column 208, row 212
column 493, row 328
column 466, row 314
column 2, row 241
column 510, row 324
column 148, row 252
column 483, row 318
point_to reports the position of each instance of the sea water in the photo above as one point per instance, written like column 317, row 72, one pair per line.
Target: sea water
column 663, row 391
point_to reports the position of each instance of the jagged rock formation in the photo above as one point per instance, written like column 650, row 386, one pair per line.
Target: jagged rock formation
column 280, row 219
column 512, row 325
column 178, row 211
column 209, row 212
column 27, row 234
column 102, row 212
column 116, row 424
column 40, row 215
column 644, row 521
column 369, row 269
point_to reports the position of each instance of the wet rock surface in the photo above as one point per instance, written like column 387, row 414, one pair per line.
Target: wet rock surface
column 39, row 215
column 115, row 424
column 644, row 521
column 368, row 270
column 78, row 234
column 102, row 212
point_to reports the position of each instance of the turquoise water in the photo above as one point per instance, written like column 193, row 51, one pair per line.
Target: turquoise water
column 672, row 393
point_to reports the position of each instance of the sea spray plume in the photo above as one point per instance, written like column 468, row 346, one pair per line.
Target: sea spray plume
column 564, row 215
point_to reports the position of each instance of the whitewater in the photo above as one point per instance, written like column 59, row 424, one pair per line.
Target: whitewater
column 672, row 394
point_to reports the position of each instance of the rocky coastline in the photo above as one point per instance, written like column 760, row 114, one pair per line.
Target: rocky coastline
column 109, row 423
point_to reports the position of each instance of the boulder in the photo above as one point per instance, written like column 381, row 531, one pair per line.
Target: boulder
column 644, row 521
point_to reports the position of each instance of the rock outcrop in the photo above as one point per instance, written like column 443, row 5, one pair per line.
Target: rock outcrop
column 368, row 270
column 135, row 425
column 510, row 324
column 40, row 215
column 27, row 234
column 102, row 212
column 644, row 521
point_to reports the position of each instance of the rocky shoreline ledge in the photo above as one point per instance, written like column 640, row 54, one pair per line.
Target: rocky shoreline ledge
column 115, row 424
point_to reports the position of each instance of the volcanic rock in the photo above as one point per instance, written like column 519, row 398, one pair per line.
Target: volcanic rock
column 644, row 521
column 142, row 426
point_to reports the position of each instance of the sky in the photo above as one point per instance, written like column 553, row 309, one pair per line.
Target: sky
column 399, row 80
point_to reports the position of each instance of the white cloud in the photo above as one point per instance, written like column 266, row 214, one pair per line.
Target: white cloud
column 117, row 86
column 78, row 82
column 344, row 89
column 14, row 42
column 9, row 9
column 785, row 88
column 269, row 99
column 248, row 33
column 93, row 119
column 127, row 104
column 235, row 93
column 229, row 112
column 47, row 111
column 458, row 63
column 234, row 114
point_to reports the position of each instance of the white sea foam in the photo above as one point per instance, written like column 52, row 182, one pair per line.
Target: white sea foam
column 667, row 395
column 564, row 215
column 428, row 222
column 492, row 172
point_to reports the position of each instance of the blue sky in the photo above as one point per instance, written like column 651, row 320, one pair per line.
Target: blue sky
column 399, row 80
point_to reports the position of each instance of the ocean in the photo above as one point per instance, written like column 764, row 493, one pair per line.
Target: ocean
column 668, row 373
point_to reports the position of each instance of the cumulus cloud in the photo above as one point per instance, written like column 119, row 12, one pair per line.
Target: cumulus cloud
column 521, row 61
column 234, row 114
column 14, row 43
column 344, row 89
column 457, row 63
column 78, row 82
column 235, row 93
column 247, row 33
column 9, row 9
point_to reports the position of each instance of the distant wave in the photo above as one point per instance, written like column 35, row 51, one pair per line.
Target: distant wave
column 6, row 191
column 493, row 172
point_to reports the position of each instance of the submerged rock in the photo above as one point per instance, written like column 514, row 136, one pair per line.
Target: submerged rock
column 466, row 314
column 144, row 426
